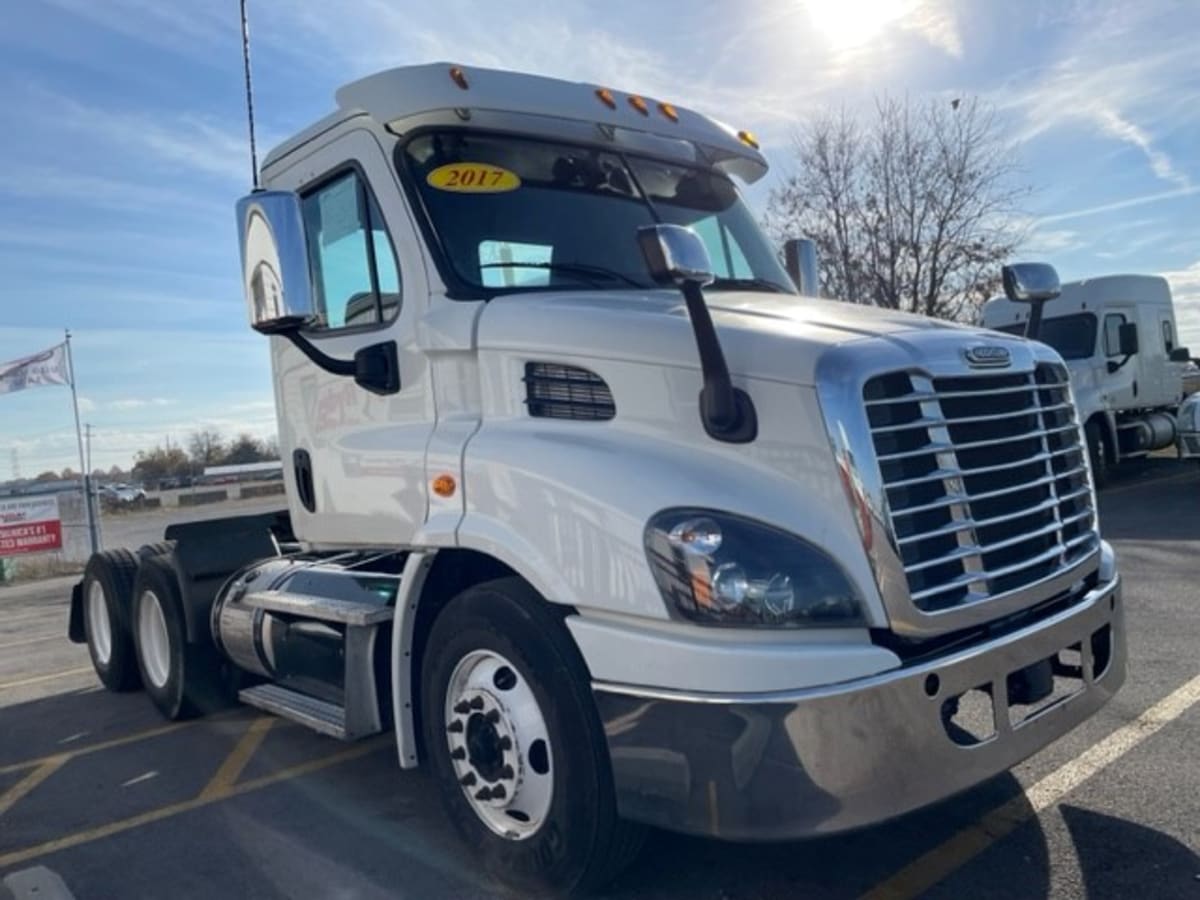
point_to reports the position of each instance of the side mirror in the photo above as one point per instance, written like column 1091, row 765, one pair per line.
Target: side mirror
column 275, row 274
column 1030, row 282
column 675, row 255
column 800, row 260
column 1127, row 338
column 1181, row 354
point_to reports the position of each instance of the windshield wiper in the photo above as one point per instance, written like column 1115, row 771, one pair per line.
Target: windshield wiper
column 583, row 270
column 748, row 284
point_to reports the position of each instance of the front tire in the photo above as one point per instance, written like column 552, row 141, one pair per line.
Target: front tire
column 107, row 589
column 183, row 680
column 515, row 744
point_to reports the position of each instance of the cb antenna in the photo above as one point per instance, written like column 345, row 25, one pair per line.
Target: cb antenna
column 249, row 96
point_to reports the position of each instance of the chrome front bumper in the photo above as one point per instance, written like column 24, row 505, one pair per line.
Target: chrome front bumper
column 819, row 761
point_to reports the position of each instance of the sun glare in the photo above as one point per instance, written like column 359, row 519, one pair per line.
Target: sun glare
column 847, row 24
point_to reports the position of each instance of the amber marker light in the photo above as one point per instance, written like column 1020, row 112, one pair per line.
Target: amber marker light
column 639, row 104
column 669, row 111
column 606, row 97
column 459, row 77
column 444, row 485
column 748, row 138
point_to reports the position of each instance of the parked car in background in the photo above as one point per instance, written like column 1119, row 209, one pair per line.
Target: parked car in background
column 122, row 495
column 1189, row 428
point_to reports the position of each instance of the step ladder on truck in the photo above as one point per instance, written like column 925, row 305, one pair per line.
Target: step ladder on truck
column 599, row 509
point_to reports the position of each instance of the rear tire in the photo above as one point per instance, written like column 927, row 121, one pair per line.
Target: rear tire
column 107, row 592
column 156, row 549
column 183, row 680
column 1097, row 454
column 498, row 653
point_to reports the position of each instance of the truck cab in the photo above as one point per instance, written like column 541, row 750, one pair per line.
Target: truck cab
column 1118, row 337
column 609, row 523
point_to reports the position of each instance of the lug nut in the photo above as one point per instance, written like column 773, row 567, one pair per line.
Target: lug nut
column 506, row 773
column 455, row 727
column 505, row 743
column 458, row 753
column 493, row 716
column 462, row 708
column 476, row 703
column 467, row 780
column 498, row 792
column 483, row 794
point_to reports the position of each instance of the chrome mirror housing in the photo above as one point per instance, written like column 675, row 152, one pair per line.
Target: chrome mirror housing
column 675, row 255
column 275, row 273
column 1030, row 282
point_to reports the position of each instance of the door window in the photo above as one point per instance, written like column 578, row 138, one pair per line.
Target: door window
column 357, row 280
column 1112, row 333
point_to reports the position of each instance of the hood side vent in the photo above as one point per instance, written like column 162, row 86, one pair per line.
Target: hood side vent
column 554, row 391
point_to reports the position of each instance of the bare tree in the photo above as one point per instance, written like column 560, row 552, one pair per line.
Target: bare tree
column 206, row 446
column 916, row 209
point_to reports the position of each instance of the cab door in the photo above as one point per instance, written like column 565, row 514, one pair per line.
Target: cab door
column 354, row 460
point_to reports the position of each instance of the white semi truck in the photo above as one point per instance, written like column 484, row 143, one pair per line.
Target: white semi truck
column 606, row 520
column 1118, row 337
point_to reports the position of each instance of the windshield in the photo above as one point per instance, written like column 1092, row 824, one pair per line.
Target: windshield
column 518, row 214
column 1074, row 337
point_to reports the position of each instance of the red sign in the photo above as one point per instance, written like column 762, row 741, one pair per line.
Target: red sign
column 29, row 525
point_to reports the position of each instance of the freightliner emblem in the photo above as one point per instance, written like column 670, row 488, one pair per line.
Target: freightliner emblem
column 987, row 356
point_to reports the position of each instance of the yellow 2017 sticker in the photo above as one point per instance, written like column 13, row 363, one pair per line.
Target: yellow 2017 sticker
column 473, row 178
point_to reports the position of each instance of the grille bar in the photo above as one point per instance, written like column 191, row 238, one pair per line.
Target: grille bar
column 985, row 480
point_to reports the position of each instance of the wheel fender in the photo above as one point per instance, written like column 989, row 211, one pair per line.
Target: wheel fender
column 412, row 585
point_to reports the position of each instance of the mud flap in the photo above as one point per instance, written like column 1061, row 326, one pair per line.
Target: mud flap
column 75, row 620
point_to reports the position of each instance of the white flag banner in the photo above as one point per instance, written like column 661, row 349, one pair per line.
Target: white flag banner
column 47, row 367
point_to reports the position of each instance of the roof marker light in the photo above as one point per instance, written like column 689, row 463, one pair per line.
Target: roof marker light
column 748, row 138
column 639, row 104
column 606, row 97
column 669, row 111
column 459, row 77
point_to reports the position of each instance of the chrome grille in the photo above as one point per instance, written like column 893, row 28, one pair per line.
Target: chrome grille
column 985, row 479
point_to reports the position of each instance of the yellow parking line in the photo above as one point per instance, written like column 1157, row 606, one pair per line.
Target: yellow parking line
column 165, row 812
column 922, row 874
column 222, row 782
column 38, row 679
column 28, row 641
column 117, row 742
column 30, row 781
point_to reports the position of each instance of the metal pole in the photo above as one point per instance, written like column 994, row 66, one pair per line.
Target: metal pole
column 89, row 505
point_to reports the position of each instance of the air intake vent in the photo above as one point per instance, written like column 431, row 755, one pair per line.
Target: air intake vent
column 566, row 392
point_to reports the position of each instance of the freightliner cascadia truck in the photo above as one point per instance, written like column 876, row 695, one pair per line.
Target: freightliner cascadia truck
column 595, row 506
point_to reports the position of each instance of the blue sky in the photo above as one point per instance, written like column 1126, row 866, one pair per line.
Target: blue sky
column 124, row 151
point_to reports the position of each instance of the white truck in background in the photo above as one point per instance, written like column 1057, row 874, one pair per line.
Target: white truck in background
column 1118, row 337
column 609, row 523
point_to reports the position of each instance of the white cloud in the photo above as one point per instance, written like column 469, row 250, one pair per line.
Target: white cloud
column 1143, row 200
column 138, row 403
column 86, row 404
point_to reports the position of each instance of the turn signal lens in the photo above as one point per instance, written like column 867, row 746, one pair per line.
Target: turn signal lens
column 639, row 104
column 444, row 486
column 459, row 77
column 748, row 138
column 606, row 97
column 669, row 111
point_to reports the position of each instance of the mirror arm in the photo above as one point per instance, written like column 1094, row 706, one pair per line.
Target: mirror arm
column 727, row 413
column 375, row 368
column 1114, row 367
column 1034, row 326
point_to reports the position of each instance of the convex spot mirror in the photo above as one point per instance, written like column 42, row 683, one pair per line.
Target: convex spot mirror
column 275, row 274
column 1030, row 282
column 1181, row 354
column 675, row 255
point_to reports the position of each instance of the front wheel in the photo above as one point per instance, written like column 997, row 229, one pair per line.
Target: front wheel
column 1097, row 454
column 512, row 734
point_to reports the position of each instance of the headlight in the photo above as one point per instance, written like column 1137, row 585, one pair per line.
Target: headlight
column 721, row 569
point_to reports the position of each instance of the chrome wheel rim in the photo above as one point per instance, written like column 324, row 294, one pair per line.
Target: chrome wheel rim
column 99, row 627
column 499, row 745
column 153, row 642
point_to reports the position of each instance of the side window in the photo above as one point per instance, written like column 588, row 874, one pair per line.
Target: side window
column 357, row 280
column 1168, row 338
column 1112, row 334
column 726, row 256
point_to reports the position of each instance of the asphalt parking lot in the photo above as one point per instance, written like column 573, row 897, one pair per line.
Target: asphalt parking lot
column 119, row 804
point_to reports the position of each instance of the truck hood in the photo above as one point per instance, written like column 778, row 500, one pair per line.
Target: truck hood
column 775, row 336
